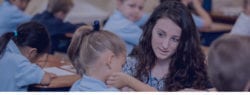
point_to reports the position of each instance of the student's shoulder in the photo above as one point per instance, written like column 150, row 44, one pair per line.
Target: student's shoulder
column 15, row 57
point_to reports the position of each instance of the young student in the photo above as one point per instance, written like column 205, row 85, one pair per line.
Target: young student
column 228, row 63
column 11, row 14
column 17, row 52
column 241, row 26
column 200, row 16
column 169, row 56
column 95, row 54
column 53, row 18
column 126, row 22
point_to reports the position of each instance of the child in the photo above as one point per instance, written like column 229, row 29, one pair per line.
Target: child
column 126, row 21
column 228, row 63
column 11, row 15
column 17, row 50
column 95, row 54
column 53, row 18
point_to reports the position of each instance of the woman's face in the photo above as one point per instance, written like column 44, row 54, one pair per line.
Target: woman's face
column 165, row 38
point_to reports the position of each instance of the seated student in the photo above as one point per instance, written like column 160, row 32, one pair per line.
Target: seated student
column 200, row 16
column 126, row 22
column 95, row 54
column 241, row 26
column 228, row 63
column 11, row 15
column 53, row 18
column 17, row 50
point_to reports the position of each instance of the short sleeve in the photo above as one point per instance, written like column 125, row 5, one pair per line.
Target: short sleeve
column 28, row 73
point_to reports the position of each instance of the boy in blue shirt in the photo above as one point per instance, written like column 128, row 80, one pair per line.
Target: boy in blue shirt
column 11, row 15
column 126, row 22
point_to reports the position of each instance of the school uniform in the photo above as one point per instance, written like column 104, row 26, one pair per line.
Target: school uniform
column 10, row 17
column 16, row 71
column 57, row 29
column 127, row 30
column 241, row 26
column 198, row 21
column 90, row 84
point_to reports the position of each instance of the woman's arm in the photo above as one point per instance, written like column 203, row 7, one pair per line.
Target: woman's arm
column 120, row 80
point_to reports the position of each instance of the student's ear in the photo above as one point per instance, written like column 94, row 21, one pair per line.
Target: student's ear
column 110, row 60
column 32, row 53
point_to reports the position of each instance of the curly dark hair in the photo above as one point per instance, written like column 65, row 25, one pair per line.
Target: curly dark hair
column 187, row 67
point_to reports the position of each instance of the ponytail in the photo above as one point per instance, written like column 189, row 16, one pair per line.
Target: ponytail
column 76, row 42
column 4, row 40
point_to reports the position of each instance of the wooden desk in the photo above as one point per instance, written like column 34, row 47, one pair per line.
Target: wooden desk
column 218, row 27
column 59, row 81
column 219, row 17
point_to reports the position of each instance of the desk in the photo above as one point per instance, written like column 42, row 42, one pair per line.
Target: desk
column 218, row 27
column 208, row 35
column 60, row 82
column 219, row 17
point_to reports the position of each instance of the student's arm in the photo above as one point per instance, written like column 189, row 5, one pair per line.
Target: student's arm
column 202, row 13
column 28, row 73
column 120, row 80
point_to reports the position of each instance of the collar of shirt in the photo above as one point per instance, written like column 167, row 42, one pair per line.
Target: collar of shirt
column 11, row 47
column 91, row 84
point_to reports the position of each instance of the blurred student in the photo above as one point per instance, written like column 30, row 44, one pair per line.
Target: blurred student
column 200, row 16
column 12, row 14
column 228, row 63
column 17, row 52
column 169, row 56
column 126, row 21
column 53, row 18
column 241, row 26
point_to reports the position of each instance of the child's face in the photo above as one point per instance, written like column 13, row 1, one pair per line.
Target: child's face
column 117, row 63
column 21, row 4
column 165, row 38
column 131, row 9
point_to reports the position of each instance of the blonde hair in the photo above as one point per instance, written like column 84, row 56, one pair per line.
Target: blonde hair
column 55, row 6
column 86, row 46
column 228, row 62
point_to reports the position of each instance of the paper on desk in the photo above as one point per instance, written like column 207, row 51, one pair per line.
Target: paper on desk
column 57, row 71
column 69, row 68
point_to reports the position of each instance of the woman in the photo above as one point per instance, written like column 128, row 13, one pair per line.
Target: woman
column 169, row 56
